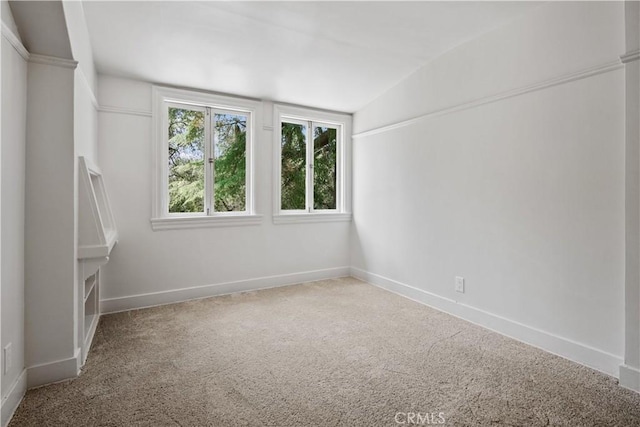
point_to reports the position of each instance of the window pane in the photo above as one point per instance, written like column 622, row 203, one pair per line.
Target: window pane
column 293, row 180
column 325, row 149
column 230, row 150
column 186, row 160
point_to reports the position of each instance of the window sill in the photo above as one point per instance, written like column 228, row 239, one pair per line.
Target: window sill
column 180, row 222
column 311, row 217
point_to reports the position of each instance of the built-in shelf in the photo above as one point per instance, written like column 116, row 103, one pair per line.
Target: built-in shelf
column 90, row 314
column 97, row 236
column 89, row 286
column 96, row 229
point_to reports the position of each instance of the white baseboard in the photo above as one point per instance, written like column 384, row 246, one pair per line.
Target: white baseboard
column 13, row 398
column 630, row 378
column 53, row 372
column 114, row 305
column 560, row 346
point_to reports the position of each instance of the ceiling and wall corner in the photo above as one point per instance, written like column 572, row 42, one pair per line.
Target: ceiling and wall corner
column 330, row 55
column 42, row 27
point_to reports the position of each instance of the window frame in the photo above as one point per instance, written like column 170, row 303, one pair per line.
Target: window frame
column 313, row 118
column 165, row 98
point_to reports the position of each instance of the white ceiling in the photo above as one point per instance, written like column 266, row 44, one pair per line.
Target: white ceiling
column 332, row 55
column 42, row 27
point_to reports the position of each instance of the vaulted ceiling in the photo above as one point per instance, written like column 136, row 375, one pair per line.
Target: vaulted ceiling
column 332, row 55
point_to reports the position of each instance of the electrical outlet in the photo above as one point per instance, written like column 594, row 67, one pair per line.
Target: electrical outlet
column 459, row 284
column 7, row 358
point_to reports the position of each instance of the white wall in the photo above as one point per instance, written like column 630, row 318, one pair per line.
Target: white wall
column 85, row 123
column 630, row 371
column 85, row 119
column 14, row 109
column 146, row 262
column 50, row 227
column 522, row 195
column 7, row 17
column 85, row 82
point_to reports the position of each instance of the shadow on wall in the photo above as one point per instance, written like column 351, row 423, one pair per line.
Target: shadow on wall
column 358, row 255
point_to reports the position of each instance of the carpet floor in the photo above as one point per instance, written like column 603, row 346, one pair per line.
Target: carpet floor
column 330, row 353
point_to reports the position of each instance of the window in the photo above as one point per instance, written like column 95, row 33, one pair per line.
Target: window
column 203, row 160
column 310, row 172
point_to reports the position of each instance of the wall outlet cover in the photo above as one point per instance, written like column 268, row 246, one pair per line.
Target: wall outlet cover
column 459, row 284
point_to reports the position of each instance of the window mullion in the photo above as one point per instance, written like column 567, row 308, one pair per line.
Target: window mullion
column 340, row 171
column 165, row 163
column 248, row 187
column 208, row 150
column 310, row 172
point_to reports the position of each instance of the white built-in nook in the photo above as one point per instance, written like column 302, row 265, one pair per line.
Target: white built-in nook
column 96, row 237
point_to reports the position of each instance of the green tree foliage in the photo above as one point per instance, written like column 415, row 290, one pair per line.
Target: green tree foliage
column 293, row 166
column 187, row 163
column 325, row 150
column 186, row 160
column 294, row 146
column 230, row 162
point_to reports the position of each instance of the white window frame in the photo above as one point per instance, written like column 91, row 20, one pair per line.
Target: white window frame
column 307, row 116
column 162, row 219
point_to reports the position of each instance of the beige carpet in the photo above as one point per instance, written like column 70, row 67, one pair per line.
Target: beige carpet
column 331, row 353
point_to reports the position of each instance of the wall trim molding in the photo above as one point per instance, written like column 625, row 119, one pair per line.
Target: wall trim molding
column 54, row 372
column 134, row 302
column 204, row 221
column 551, row 343
column 13, row 398
column 634, row 55
column 312, row 217
column 53, row 61
column 15, row 41
column 613, row 65
column 120, row 110
column 630, row 378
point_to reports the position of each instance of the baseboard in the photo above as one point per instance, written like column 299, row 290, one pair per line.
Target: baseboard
column 560, row 346
column 14, row 397
column 53, row 372
column 630, row 378
column 133, row 302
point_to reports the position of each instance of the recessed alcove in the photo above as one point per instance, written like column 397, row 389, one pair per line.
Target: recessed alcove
column 97, row 236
